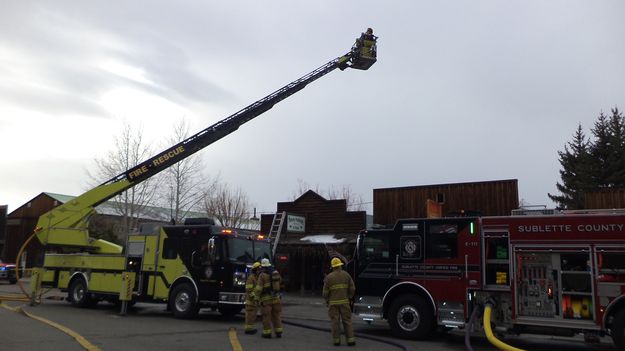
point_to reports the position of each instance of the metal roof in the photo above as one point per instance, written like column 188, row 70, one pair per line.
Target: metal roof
column 60, row 197
column 110, row 208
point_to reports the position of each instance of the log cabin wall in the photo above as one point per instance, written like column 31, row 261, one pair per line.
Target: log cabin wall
column 605, row 199
column 489, row 198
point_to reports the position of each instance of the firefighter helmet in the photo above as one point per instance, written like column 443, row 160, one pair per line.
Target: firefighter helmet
column 256, row 265
column 336, row 262
column 265, row 262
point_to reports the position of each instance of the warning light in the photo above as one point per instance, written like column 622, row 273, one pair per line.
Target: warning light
column 283, row 258
column 226, row 231
column 472, row 229
column 260, row 236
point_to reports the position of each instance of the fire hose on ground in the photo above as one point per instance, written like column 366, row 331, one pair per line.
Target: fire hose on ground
column 488, row 308
column 24, row 297
column 469, row 328
column 360, row 335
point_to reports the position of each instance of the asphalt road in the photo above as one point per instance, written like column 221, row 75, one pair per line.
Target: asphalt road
column 150, row 327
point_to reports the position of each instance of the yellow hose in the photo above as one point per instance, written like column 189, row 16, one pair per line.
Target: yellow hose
column 14, row 297
column 17, row 264
column 489, row 333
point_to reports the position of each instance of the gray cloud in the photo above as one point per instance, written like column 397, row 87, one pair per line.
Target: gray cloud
column 58, row 46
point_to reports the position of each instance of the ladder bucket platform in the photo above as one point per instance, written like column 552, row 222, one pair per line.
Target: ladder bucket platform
column 364, row 51
column 363, row 62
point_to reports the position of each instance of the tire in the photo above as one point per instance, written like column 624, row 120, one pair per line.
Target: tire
column 618, row 330
column 12, row 281
column 229, row 311
column 183, row 301
column 411, row 317
column 78, row 294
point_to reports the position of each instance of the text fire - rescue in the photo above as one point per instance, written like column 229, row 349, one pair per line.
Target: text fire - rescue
column 567, row 228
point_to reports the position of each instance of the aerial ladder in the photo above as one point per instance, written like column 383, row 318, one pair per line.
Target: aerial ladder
column 66, row 226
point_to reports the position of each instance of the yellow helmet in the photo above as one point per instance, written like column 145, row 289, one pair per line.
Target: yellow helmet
column 336, row 262
column 256, row 265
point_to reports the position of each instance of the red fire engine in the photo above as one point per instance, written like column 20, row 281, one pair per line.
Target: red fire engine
column 560, row 274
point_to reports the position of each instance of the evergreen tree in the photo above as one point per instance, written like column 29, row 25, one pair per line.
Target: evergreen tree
column 600, row 150
column 575, row 173
column 615, row 167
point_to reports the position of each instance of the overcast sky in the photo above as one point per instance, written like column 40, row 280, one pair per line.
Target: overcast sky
column 462, row 91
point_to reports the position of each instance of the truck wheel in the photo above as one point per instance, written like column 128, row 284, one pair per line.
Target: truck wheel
column 618, row 330
column 78, row 294
column 12, row 281
column 182, row 301
column 411, row 317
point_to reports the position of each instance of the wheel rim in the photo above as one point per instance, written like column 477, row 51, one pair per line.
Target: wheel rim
column 183, row 301
column 408, row 318
column 79, row 292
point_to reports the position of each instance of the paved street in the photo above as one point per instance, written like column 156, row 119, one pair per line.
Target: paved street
column 150, row 327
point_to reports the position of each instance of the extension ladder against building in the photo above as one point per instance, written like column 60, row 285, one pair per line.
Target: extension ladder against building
column 276, row 229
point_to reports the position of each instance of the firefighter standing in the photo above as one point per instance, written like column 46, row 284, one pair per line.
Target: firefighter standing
column 338, row 289
column 251, row 300
column 268, row 288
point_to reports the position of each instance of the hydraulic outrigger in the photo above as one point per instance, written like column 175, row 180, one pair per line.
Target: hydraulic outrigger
column 169, row 264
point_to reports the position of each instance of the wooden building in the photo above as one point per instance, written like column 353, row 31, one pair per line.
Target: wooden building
column 21, row 224
column 489, row 198
column 607, row 198
column 324, row 228
column 3, row 228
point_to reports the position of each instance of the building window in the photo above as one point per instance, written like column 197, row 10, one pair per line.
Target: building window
column 440, row 198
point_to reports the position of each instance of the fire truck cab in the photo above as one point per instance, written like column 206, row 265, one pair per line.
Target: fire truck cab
column 561, row 274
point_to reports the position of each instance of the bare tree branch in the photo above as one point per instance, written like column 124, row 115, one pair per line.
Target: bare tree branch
column 129, row 151
column 302, row 187
column 184, row 183
column 355, row 202
column 230, row 207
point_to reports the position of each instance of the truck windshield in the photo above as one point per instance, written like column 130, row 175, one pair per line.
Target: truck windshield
column 248, row 251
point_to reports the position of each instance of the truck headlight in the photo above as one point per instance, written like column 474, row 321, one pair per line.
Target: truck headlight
column 238, row 279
